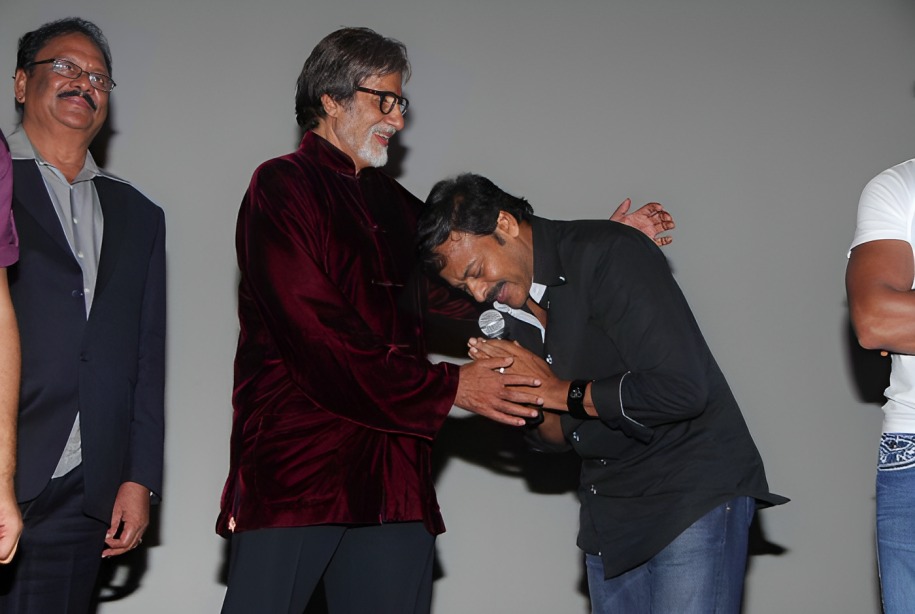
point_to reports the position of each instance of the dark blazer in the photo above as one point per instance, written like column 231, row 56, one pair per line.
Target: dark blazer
column 109, row 367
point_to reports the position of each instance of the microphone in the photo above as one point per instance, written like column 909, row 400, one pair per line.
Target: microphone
column 492, row 324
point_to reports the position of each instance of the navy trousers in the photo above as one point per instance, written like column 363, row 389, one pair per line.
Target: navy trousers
column 59, row 554
column 383, row 569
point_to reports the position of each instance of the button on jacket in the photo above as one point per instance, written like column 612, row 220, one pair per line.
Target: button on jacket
column 335, row 403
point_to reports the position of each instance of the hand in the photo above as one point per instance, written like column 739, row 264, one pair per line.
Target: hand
column 524, row 362
column 484, row 390
column 652, row 219
column 131, row 515
column 10, row 526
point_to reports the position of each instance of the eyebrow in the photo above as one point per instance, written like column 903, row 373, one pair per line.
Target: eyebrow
column 470, row 265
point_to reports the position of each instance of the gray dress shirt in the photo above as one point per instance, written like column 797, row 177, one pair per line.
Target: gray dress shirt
column 80, row 214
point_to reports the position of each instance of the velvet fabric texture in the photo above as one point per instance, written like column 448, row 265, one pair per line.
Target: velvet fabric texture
column 335, row 403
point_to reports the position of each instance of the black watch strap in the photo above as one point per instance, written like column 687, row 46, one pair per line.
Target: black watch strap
column 575, row 400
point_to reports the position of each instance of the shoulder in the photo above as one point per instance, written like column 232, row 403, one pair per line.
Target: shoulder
column 608, row 251
column 113, row 188
column 894, row 184
column 602, row 235
column 289, row 163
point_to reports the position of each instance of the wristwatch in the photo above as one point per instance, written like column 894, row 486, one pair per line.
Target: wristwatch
column 575, row 400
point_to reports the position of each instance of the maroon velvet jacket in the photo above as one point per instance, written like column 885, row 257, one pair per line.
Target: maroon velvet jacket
column 335, row 404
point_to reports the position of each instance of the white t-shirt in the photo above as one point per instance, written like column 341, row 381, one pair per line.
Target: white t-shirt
column 887, row 211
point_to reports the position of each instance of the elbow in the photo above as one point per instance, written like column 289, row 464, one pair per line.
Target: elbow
column 690, row 396
column 870, row 338
column 695, row 397
column 870, row 329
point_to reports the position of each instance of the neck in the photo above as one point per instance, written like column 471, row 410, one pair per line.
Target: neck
column 539, row 312
column 65, row 149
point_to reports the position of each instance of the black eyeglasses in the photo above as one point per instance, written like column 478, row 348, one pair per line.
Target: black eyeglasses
column 387, row 100
column 68, row 69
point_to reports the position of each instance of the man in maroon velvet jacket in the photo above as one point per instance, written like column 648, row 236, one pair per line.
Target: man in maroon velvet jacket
column 335, row 403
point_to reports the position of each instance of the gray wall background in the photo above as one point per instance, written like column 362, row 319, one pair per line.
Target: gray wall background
column 756, row 123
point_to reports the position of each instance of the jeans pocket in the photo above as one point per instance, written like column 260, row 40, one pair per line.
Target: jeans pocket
column 897, row 451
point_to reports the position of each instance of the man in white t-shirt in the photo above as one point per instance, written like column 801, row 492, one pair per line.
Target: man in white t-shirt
column 880, row 280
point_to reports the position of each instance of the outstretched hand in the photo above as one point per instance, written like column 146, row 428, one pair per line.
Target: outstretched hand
column 652, row 219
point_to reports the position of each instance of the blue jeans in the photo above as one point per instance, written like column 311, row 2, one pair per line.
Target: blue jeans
column 896, row 521
column 700, row 572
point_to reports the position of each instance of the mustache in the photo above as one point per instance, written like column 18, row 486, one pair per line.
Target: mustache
column 492, row 294
column 84, row 95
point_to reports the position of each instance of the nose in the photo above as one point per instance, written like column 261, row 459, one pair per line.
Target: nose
column 477, row 290
column 395, row 118
column 83, row 81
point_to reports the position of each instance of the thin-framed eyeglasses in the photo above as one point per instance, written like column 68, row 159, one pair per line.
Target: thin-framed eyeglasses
column 68, row 69
column 387, row 100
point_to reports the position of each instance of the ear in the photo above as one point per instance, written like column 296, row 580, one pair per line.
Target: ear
column 507, row 224
column 331, row 106
column 19, row 82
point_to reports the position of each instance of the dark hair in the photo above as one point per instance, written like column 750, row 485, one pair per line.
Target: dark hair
column 339, row 63
column 467, row 203
column 33, row 42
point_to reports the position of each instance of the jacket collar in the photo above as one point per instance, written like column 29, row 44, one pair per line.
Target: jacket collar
column 547, row 264
column 320, row 149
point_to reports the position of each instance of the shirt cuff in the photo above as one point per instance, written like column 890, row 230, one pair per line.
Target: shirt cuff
column 607, row 396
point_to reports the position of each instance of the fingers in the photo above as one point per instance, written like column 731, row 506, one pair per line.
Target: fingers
column 128, row 540
column 514, row 380
column 504, row 418
column 7, row 553
column 622, row 210
column 510, row 413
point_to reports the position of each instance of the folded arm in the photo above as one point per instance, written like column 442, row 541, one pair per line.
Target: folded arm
column 881, row 301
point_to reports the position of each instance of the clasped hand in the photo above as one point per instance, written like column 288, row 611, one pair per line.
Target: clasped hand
column 524, row 362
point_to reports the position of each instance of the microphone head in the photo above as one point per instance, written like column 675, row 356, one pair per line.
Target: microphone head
column 492, row 324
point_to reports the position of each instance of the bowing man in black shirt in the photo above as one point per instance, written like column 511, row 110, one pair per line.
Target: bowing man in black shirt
column 670, row 475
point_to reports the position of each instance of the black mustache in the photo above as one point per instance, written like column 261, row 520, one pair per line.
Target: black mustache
column 492, row 294
column 85, row 96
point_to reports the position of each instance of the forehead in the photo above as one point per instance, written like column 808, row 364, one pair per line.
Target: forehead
column 76, row 47
column 462, row 251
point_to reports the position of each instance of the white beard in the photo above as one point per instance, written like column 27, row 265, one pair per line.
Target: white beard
column 372, row 153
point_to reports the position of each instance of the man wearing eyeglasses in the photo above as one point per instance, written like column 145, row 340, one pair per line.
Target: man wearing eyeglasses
column 335, row 403
column 89, row 291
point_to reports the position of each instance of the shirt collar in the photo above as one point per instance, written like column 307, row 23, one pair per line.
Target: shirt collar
column 21, row 148
column 537, row 291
